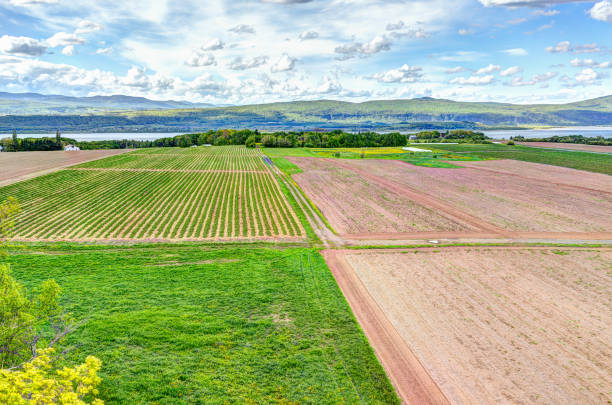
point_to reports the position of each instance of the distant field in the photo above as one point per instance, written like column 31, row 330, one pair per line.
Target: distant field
column 208, row 193
column 570, row 146
column 592, row 162
column 18, row 166
column 499, row 325
column 194, row 324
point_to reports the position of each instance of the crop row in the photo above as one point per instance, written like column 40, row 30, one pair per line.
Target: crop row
column 81, row 205
column 229, row 158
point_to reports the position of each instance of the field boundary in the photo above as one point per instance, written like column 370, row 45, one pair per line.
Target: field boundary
column 413, row 383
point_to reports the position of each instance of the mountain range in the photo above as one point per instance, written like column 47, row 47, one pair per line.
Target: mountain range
column 123, row 113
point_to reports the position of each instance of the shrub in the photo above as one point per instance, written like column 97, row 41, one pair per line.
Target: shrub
column 510, row 142
column 38, row 382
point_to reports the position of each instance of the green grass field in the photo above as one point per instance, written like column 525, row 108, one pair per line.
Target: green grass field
column 195, row 324
column 593, row 162
column 194, row 193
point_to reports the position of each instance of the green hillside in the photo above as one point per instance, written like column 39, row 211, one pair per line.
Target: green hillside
column 421, row 113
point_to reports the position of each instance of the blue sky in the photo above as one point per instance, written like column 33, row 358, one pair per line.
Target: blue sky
column 258, row 51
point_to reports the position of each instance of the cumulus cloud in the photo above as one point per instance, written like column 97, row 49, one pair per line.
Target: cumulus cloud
column 602, row 11
column 242, row 29
column 378, row 44
column 240, row 63
column 456, row 69
column 511, row 71
column 588, row 77
column 404, row 74
column 488, row 69
column 546, row 13
column 200, row 59
column 284, row 63
column 212, row 45
column 590, row 63
column 515, row 52
column 473, row 80
column 306, row 35
column 566, row 46
column 396, row 26
column 23, row 46
column 64, row 39
column 68, row 51
column 537, row 79
column 286, row 1
column 465, row 31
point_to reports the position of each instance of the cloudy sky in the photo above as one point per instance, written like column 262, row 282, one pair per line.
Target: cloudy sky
column 256, row 51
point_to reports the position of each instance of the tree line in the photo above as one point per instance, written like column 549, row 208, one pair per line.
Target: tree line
column 580, row 139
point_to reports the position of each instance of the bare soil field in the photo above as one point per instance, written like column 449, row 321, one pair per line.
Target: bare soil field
column 18, row 166
column 490, row 325
column 548, row 173
column 354, row 204
column 508, row 201
column 569, row 146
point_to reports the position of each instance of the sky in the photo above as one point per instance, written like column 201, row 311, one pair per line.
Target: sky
column 261, row 51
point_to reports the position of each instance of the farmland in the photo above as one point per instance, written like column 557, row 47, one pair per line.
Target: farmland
column 209, row 193
column 497, row 325
column 477, row 198
column 569, row 146
column 20, row 166
column 593, row 162
column 193, row 323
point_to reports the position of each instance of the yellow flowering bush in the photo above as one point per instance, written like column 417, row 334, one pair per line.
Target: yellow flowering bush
column 38, row 383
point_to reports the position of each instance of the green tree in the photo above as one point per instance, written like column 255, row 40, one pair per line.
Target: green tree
column 25, row 317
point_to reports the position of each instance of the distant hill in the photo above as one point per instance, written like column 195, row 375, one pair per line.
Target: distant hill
column 34, row 103
column 419, row 113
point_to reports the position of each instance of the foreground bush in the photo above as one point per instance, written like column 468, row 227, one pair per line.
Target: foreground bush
column 37, row 382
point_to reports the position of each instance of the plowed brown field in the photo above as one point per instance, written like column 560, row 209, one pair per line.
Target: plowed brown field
column 354, row 204
column 521, row 201
column 494, row 325
column 17, row 166
column 569, row 146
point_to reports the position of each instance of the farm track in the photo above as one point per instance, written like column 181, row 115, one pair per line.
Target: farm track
column 209, row 194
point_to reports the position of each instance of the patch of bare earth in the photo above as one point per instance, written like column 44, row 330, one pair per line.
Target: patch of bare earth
column 18, row 166
column 569, row 146
column 528, row 202
column 354, row 204
column 548, row 173
column 499, row 325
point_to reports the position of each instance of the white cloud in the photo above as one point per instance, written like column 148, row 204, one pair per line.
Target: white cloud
column 378, row 44
column 86, row 26
column 284, row 63
column 395, row 26
column 588, row 77
column 239, row 63
column 26, row 3
column 537, row 79
column 21, row 46
column 566, row 46
column 511, row 71
column 473, row 80
column 546, row 13
column 306, row 35
column 64, row 39
column 105, row 51
column 561, row 47
column 404, row 74
column 515, row 52
column 525, row 3
column 465, row 31
column 456, row 69
column 488, row 69
column 243, row 29
column 602, row 11
column 68, row 50
column 590, row 63
column 213, row 45
column 200, row 59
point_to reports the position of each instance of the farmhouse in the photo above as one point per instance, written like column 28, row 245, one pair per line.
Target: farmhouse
column 71, row 147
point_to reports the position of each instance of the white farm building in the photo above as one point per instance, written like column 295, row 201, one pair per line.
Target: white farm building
column 71, row 147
